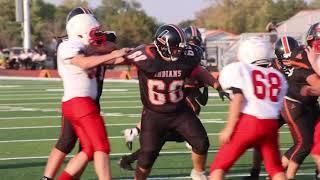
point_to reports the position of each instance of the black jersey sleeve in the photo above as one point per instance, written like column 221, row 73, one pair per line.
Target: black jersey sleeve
column 143, row 58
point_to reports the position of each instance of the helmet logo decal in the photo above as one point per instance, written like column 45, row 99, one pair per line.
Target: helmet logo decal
column 162, row 37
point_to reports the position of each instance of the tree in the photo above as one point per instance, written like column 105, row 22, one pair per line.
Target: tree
column 247, row 15
column 128, row 20
column 315, row 4
column 10, row 30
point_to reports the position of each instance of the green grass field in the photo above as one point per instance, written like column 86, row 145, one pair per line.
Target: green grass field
column 30, row 124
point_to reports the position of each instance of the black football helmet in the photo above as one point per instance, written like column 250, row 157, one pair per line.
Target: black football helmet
column 284, row 47
column 193, row 35
column 170, row 40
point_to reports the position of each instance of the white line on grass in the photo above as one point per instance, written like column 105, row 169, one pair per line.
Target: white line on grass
column 105, row 114
column 111, row 137
column 205, row 121
column 112, row 154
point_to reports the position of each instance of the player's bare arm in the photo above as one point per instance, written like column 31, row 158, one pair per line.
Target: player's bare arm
column 313, row 57
column 87, row 62
column 233, row 117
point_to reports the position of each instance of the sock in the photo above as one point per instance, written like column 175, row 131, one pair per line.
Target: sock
column 138, row 130
column 134, row 156
column 255, row 172
column 135, row 131
column 65, row 176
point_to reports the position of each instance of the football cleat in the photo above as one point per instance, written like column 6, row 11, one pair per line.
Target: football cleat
column 188, row 146
column 130, row 135
column 125, row 163
column 46, row 178
column 195, row 175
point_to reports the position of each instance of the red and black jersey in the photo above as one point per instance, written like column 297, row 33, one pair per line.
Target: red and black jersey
column 297, row 71
column 162, row 82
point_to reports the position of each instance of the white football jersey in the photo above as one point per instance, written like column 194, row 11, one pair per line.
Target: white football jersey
column 263, row 88
column 77, row 82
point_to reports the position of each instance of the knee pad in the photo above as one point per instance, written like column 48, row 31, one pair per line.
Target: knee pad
column 146, row 159
column 201, row 146
column 66, row 144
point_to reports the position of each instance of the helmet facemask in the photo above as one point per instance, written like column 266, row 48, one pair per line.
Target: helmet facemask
column 97, row 37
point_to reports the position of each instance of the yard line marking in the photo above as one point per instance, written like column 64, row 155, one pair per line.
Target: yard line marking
column 58, row 103
column 114, row 154
column 102, row 102
column 58, row 79
column 39, row 98
column 111, row 137
column 205, row 121
column 104, row 114
column 28, row 117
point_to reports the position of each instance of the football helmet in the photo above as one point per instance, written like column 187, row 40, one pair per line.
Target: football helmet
column 193, row 35
column 313, row 37
column 83, row 26
column 284, row 47
column 170, row 41
column 255, row 50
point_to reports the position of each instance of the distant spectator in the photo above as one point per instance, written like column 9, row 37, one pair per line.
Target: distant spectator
column 38, row 59
column 25, row 58
column 2, row 60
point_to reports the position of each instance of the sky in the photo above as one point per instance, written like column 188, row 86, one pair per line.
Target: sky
column 165, row 11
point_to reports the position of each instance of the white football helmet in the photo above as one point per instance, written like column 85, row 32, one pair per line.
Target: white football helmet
column 82, row 25
column 255, row 50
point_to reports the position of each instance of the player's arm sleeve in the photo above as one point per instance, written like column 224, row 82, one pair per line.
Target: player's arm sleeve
column 141, row 59
column 204, row 76
column 69, row 50
column 229, row 77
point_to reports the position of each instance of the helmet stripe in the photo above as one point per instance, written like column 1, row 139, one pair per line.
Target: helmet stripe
column 285, row 44
column 194, row 31
column 84, row 10
column 180, row 32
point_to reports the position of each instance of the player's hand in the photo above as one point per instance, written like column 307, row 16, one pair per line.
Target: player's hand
column 120, row 52
column 130, row 135
column 223, row 94
column 225, row 136
column 312, row 55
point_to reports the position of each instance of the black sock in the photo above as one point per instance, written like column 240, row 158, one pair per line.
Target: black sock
column 255, row 172
column 134, row 156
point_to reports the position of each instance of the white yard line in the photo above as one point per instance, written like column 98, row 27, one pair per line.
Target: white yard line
column 111, row 137
column 205, row 121
column 105, row 114
column 112, row 154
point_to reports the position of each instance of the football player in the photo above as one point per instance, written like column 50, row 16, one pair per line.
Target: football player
column 299, row 112
column 162, row 69
column 196, row 96
column 252, row 121
column 197, row 93
column 78, row 71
